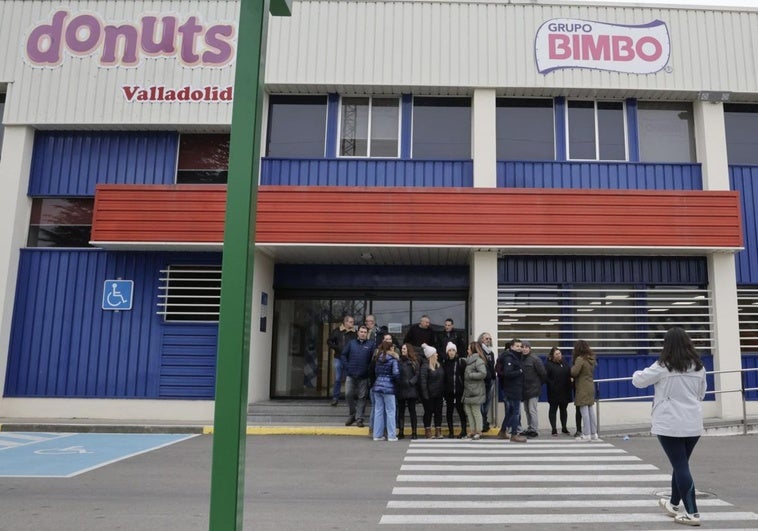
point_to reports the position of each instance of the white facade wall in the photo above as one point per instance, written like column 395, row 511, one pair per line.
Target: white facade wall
column 83, row 93
column 423, row 45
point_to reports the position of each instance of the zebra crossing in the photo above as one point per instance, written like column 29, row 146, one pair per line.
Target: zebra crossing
column 544, row 482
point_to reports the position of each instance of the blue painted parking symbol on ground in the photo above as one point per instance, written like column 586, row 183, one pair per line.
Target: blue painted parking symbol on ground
column 65, row 455
column 117, row 294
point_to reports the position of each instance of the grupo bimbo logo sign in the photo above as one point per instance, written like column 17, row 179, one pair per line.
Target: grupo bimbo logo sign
column 575, row 43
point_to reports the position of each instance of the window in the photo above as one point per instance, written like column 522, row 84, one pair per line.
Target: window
column 747, row 308
column 666, row 132
column 442, row 128
column 190, row 293
column 296, row 126
column 2, row 111
column 60, row 222
column 596, row 130
column 613, row 319
column 525, row 129
column 369, row 127
column 203, row 159
column 741, row 123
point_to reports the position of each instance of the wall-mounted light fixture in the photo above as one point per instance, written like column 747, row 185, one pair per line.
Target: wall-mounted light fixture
column 714, row 96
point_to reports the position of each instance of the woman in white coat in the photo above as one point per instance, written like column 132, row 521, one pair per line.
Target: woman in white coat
column 677, row 418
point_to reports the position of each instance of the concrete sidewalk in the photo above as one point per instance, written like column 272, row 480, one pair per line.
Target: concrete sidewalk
column 712, row 426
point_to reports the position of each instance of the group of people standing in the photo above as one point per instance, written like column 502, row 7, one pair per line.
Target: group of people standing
column 417, row 371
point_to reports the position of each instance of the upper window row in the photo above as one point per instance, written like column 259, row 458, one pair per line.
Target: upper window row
column 440, row 128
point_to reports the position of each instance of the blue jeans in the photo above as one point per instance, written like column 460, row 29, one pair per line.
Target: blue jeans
column 512, row 418
column 678, row 450
column 384, row 415
column 339, row 375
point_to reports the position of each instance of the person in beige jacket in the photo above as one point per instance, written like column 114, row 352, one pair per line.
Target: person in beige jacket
column 584, row 396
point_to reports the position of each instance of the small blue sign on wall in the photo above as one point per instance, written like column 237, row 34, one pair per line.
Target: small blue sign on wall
column 117, row 294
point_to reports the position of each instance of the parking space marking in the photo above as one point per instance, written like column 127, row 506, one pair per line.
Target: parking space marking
column 16, row 439
column 69, row 455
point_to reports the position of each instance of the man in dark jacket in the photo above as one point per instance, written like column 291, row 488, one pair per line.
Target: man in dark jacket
column 511, row 377
column 485, row 343
column 420, row 333
column 337, row 341
column 357, row 357
column 450, row 335
column 534, row 377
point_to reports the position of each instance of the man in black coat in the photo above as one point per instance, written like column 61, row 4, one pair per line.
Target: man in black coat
column 450, row 335
column 511, row 377
column 420, row 333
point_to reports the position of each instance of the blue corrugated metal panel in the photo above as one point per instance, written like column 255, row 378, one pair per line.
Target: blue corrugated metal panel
column 70, row 163
column 64, row 345
column 744, row 179
column 750, row 380
column 367, row 172
column 188, row 361
column 602, row 270
column 599, row 175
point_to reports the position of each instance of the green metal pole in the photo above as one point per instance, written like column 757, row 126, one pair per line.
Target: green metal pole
column 233, row 356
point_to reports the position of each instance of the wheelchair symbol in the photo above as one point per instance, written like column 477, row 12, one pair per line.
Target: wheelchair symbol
column 117, row 295
column 115, row 298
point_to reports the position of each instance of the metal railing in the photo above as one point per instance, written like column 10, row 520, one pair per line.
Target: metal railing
column 743, row 390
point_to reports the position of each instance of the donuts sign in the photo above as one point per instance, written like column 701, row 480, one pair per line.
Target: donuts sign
column 574, row 43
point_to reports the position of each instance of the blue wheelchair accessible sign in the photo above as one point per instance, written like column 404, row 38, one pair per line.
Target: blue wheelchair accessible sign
column 117, row 294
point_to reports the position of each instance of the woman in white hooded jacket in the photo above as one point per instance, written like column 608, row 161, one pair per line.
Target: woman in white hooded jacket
column 677, row 417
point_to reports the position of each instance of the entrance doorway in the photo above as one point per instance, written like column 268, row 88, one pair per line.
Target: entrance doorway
column 302, row 363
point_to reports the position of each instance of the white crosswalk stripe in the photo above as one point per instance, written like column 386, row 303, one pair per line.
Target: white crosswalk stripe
column 548, row 483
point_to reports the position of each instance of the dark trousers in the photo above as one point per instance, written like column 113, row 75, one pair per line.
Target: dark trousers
column 578, row 418
column 454, row 403
column 678, row 450
column 554, row 407
column 401, row 405
column 433, row 407
column 486, row 405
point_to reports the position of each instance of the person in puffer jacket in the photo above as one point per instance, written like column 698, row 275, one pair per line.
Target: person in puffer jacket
column 432, row 388
column 387, row 371
column 454, row 366
column 406, row 390
column 474, row 389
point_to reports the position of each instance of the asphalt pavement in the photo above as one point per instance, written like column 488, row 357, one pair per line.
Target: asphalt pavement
column 329, row 483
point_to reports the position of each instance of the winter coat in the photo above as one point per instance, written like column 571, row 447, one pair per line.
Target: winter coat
column 357, row 354
column 431, row 383
column 558, row 379
column 584, row 383
column 491, row 373
column 417, row 335
column 474, row 390
column 387, row 371
column 339, row 338
column 677, row 408
column 534, row 376
column 406, row 384
column 454, row 369
column 454, row 337
column 510, row 374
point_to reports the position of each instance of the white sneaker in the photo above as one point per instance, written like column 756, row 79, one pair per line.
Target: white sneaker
column 392, row 440
column 686, row 518
column 594, row 438
column 668, row 507
column 583, row 438
column 378, row 438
